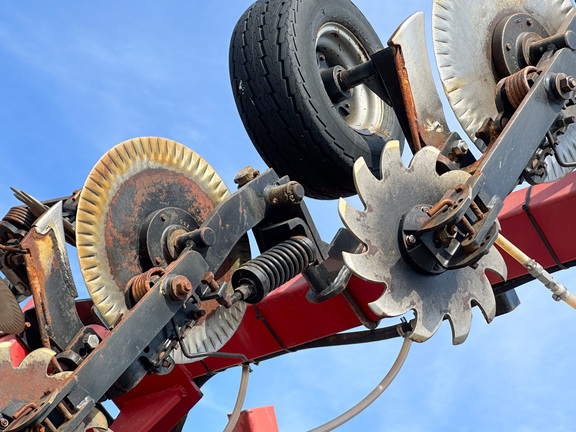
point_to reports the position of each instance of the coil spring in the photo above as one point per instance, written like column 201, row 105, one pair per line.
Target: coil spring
column 275, row 267
column 518, row 85
column 21, row 216
column 140, row 284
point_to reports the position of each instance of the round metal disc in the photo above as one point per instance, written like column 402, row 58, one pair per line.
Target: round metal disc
column 450, row 294
column 11, row 316
column 462, row 34
column 130, row 183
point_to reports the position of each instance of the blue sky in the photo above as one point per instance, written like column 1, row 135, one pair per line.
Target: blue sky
column 80, row 77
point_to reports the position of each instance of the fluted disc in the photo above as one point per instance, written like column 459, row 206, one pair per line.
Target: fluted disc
column 462, row 34
column 11, row 316
column 129, row 182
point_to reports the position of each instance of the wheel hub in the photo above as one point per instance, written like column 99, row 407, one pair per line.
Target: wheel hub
column 511, row 42
column 337, row 47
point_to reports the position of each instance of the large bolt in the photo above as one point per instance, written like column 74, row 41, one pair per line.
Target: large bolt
column 91, row 341
column 563, row 86
column 180, row 287
column 286, row 194
column 459, row 148
column 566, row 121
column 567, row 84
column 211, row 282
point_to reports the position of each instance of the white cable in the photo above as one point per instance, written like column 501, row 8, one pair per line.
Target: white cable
column 374, row 394
column 240, row 400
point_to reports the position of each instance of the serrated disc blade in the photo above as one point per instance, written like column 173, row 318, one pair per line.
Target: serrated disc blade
column 130, row 182
column 462, row 34
column 11, row 317
column 433, row 298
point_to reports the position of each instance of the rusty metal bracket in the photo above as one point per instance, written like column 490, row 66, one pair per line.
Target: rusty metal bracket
column 51, row 280
column 428, row 126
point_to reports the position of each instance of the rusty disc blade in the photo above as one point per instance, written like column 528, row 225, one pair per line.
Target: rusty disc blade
column 11, row 316
column 131, row 182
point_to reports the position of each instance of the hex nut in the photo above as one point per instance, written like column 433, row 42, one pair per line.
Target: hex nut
column 459, row 148
column 91, row 341
column 180, row 287
column 567, row 84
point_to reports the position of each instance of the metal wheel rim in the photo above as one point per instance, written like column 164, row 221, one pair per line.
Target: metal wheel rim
column 363, row 111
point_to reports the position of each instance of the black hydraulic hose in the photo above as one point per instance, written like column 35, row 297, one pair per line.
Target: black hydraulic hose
column 352, row 338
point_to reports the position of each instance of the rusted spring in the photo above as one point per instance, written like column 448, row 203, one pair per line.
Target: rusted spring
column 518, row 85
column 142, row 283
column 21, row 216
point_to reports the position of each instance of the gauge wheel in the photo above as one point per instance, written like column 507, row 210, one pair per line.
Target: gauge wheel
column 278, row 51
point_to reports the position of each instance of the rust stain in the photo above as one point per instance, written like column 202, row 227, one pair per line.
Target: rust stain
column 407, row 98
column 37, row 382
column 39, row 265
column 138, row 197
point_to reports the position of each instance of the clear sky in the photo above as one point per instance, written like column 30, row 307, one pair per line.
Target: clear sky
column 79, row 77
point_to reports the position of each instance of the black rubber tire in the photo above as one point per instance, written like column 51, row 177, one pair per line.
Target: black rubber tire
column 275, row 76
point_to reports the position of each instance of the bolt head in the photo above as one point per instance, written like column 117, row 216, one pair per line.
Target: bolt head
column 563, row 86
column 197, row 314
column 181, row 287
column 208, row 278
column 91, row 341
column 411, row 240
column 207, row 236
column 460, row 148
column 567, row 84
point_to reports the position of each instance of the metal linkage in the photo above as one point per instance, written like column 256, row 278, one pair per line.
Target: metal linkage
column 133, row 334
column 490, row 184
